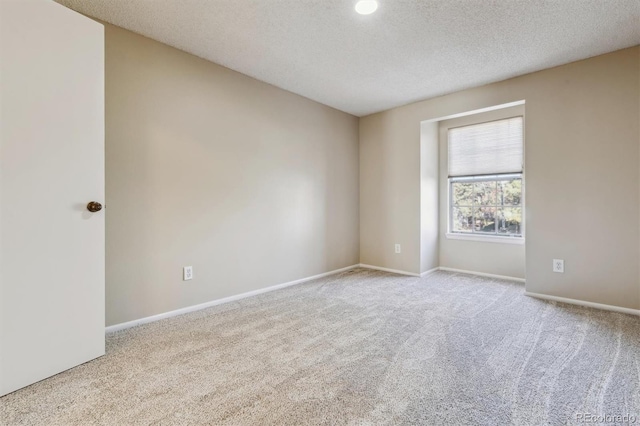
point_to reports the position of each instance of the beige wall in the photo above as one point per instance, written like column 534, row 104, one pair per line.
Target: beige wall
column 429, row 191
column 252, row 185
column 478, row 256
column 390, row 180
column 582, row 162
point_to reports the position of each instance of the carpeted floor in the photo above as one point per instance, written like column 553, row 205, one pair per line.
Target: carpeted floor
column 359, row 348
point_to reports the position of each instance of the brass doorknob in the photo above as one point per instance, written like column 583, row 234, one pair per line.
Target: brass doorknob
column 94, row 206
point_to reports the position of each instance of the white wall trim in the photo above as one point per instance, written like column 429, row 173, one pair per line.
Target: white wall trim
column 584, row 303
column 484, row 238
column 440, row 268
column 430, row 271
column 482, row 274
column 394, row 271
column 193, row 308
column 475, row 111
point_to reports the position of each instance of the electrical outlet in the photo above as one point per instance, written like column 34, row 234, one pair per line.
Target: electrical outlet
column 187, row 273
column 558, row 266
column 398, row 249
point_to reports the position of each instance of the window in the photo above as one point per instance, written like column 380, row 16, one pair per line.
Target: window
column 485, row 179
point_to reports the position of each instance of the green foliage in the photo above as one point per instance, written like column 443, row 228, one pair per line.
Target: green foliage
column 483, row 206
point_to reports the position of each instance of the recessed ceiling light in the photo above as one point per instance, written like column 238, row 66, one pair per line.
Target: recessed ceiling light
column 366, row 7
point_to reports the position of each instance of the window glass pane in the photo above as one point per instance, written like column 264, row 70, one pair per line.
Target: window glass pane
column 462, row 194
column 510, row 220
column 461, row 220
column 484, row 219
column 487, row 206
column 510, row 192
column 485, row 193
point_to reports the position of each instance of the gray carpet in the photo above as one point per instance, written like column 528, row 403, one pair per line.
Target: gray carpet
column 359, row 348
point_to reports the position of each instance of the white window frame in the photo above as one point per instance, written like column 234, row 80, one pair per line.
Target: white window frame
column 478, row 236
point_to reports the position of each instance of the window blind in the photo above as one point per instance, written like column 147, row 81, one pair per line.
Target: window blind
column 488, row 148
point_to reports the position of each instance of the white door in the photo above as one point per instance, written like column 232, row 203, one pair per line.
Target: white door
column 51, row 166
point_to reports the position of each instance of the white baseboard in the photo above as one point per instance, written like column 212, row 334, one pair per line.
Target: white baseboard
column 440, row 268
column 394, row 271
column 584, row 303
column 482, row 274
column 430, row 271
column 234, row 298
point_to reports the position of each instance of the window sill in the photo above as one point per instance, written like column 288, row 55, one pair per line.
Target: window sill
column 485, row 238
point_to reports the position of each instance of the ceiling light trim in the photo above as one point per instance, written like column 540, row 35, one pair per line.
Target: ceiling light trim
column 366, row 7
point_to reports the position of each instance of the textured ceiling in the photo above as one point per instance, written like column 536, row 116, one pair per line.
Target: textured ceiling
column 407, row 51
